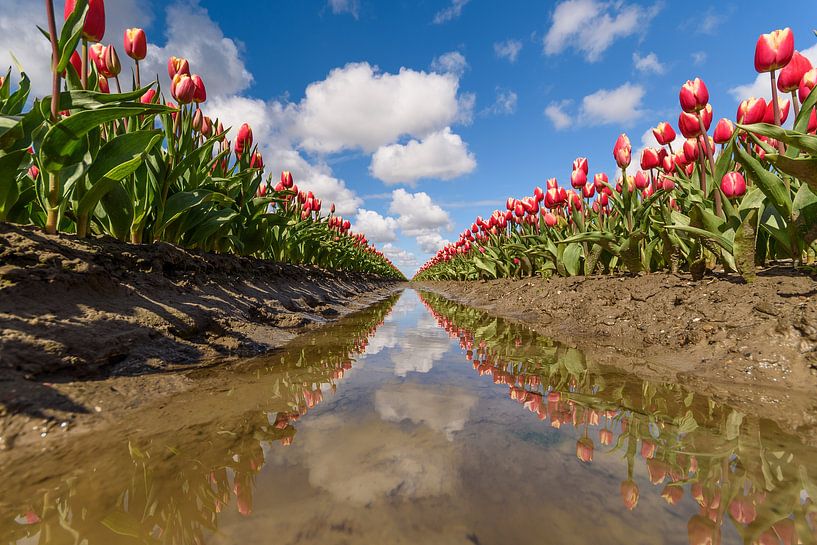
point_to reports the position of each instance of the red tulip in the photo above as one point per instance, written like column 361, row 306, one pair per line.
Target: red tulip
column 511, row 202
column 774, row 50
column 76, row 62
column 622, row 151
column 650, row 158
column 555, row 197
column 743, row 510
column 136, row 46
column 578, row 178
column 691, row 150
column 723, row 131
column 588, row 190
column 97, row 55
column 790, row 77
column 112, row 64
column 201, row 92
column 148, row 97
column 629, row 494
column 812, row 122
column 664, row 133
column 286, row 176
column 783, row 105
column 550, row 219
column 702, row 531
column 694, row 96
column 182, row 88
column 538, row 194
column 262, row 190
column 581, row 164
column 666, row 183
column 733, row 185
column 641, row 181
column 103, row 85
column 33, row 171
column 752, row 110
column 672, row 494
column 584, row 449
column 176, row 65
column 244, row 140
column 93, row 30
column 690, row 126
column 518, row 210
column 346, row 225
column 206, row 127
column 600, row 180
column 551, row 183
column 807, row 84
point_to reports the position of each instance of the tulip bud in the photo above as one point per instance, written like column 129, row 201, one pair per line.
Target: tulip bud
column 550, row 219
column 629, row 494
column 176, row 65
column 198, row 119
column 733, row 185
column 286, row 178
column 691, row 150
column 332, row 208
column 664, row 134
column 694, row 96
column 148, row 97
column 256, row 161
column 201, row 92
column 244, row 140
column 262, row 190
column 206, row 127
column 783, row 105
column 584, row 449
column 93, row 30
column 135, row 42
column 182, row 88
column 112, row 64
column 588, row 190
column 511, row 202
column 812, row 122
column 581, row 164
column 538, row 194
column 600, row 181
column 641, row 181
column 723, row 131
column 578, row 178
column 808, row 83
column 791, row 76
column 76, row 62
column 552, row 183
column 103, row 85
column 33, row 171
column 650, row 158
column 622, row 151
column 750, row 111
column 774, row 50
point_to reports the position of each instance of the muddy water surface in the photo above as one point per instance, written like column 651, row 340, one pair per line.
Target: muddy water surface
column 420, row 421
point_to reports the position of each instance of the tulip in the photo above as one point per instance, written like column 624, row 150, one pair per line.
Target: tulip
column 135, row 44
column 723, row 131
column 148, row 97
column 176, row 65
column 243, row 141
column 600, row 180
column 622, row 151
column 666, row 183
column 538, row 194
column 33, row 171
column 691, row 150
column 97, row 54
column 751, row 110
column 672, row 494
column 791, row 76
column 641, row 180
column 201, row 92
column 93, row 30
column 584, row 449
column 648, row 449
column 605, row 436
column 262, row 190
column 581, row 164
column 578, row 178
column 332, row 208
column 664, row 133
column 689, row 124
column 650, row 158
column 733, row 185
column 206, row 127
column 76, row 62
column 182, row 88
column 694, row 96
column 103, row 85
column 807, row 84
column 588, row 190
column 812, row 122
column 286, row 176
column 629, row 494
column 112, row 64
column 783, row 108
column 198, row 119
column 551, row 183
column 702, row 531
column 774, row 50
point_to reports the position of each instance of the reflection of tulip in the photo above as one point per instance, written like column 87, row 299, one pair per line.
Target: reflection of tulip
column 605, row 437
column 243, row 496
column 672, row 494
column 648, row 449
column 657, row 471
column 629, row 494
column 584, row 449
column 701, row 531
column 743, row 510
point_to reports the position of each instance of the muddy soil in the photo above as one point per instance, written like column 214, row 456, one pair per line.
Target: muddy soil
column 88, row 326
column 753, row 346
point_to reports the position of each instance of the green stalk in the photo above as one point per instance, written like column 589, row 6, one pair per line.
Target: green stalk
column 52, row 220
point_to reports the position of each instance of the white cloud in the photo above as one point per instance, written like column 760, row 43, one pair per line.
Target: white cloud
column 509, row 49
column 431, row 242
column 591, row 26
column 699, row 57
column 441, row 155
column 345, row 6
column 648, row 141
column 443, row 411
column 405, row 260
column 452, row 62
column 555, row 111
column 648, row 63
column 192, row 34
column 504, row 104
column 358, row 107
column 761, row 86
column 377, row 228
column 451, row 12
column 620, row 105
column 418, row 216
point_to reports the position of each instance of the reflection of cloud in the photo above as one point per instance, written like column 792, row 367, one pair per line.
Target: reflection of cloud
column 376, row 460
column 444, row 411
column 420, row 348
column 384, row 337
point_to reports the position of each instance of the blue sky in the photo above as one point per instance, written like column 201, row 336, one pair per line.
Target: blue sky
column 495, row 97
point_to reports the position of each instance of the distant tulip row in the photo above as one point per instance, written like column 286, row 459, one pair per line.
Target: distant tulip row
column 690, row 206
column 140, row 168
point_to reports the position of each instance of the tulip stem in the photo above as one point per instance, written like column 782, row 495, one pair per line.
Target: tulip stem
column 118, row 87
column 795, row 102
column 52, row 219
column 138, row 77
column 84, row 75
column 710, row 153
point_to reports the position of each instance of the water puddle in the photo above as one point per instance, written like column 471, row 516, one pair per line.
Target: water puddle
column 422, row 421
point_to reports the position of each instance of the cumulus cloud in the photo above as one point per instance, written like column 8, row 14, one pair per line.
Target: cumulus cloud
column 450, row 13
column 441, row 155
column 446, row 412
column 452, row 62
column 621, row 105
column 405, row 260
column 558, row 115
column 591, row 26
column 431, row 242
column 351, row 7
column 505, row 102
column 508, row 50
column 377, row 228
column 416, row 213
column 648, row 63
column 760, row 87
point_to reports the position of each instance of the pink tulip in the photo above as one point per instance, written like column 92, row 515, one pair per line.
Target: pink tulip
column 808, row 83
column 694, row 96
column 691, row 150
column 578, row 178
column 641, row 180
column 93, row 29
column 622, row 151
column 550, row 219
column 600, row 180
column 783, row 106
column 733, row 185
column 790, row 77
column 201, row 92
column 176, row 65
column 588, row 190
column 581, row 164
column 664, row 133
column 244, row 140
column 135, row 44
column 723, row 131
column 650, row 158
column 774, row 50
column 752, row 110
column 182, row 88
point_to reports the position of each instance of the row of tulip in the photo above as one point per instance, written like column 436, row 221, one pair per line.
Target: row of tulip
column 688, row 443
column 153, row 503
column 132, row 165
column 690, row 206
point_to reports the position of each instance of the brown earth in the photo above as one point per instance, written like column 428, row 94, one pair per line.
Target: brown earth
column 93, row 325
column 753, row 346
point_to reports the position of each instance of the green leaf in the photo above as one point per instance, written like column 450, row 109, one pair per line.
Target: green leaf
column 687, row 424
column 800, row 140
column 802, row 168
column 71, row 33
column 572, row 259
column 721, row 240
column 118, row 208
column 772, row 186
column 9, row 191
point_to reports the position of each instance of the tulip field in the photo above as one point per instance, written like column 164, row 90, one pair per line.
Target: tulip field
column 108, row 153
column 741, row 197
